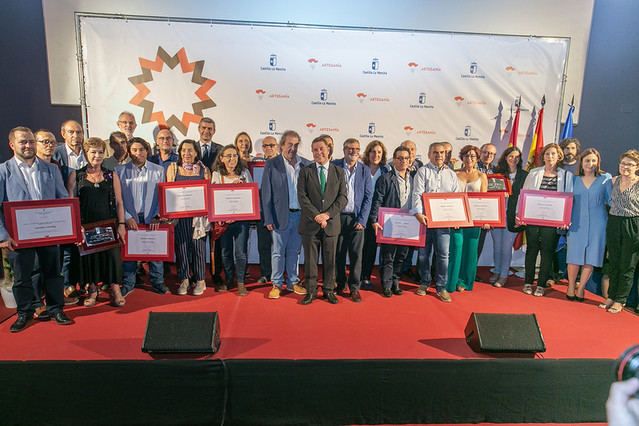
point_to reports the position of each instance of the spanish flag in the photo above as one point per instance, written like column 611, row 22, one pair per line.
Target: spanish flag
column 534, row 155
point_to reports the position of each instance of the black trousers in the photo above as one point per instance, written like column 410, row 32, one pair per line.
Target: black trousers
column 23, row 262
column 264, row 247
column 369, row 251
column 622, row 238
column 350, row 242
column 540, row 239
column 392, row 259
column 482, row 240
column 312, row 245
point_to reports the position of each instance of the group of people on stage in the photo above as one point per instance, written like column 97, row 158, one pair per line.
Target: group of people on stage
column 321, row 204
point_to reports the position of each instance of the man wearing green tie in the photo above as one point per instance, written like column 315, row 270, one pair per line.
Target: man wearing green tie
column 321, row 192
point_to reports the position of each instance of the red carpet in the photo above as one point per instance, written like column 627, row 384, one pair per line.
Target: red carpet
column 402, row 327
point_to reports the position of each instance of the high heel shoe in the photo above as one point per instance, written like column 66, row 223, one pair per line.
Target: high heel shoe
column 92, row 298
column 571, row 298
column 117, row 299
column 581, row 290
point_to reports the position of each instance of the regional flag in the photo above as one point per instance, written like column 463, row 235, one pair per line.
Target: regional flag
column 534, row 155
column 513, row 133
column 566, row 132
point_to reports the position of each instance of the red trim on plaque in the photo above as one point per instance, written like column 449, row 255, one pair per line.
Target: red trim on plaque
column 252, row 215
column 501, row 199
column 10, row 208
column 170, row 249
column 505, row 179
column 84, row 249
column 381, row 239
column 183, row 184
column 447, row 223
column 523, row 197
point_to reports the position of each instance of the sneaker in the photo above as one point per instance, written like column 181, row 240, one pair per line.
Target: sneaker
column 183, row 289
column 274, row 293
column 298, row 289
column 262, row 280
column 421, row 291
column 200, row 286
column 493, row 278
column 444, row 296
column 528, row 289
column 500, row 282
column 539, row 291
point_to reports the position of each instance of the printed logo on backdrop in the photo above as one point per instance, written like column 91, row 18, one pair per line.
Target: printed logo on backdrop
column 421, row 102
column 414, row 66
column 512, row 70
column 468, row 135
column 410, row 130
column 311, row 127
column 271, row 129
column 323, row 100
column 157, row 87
column 361, row 97
column 314, row 62
column 371, row 132
column 460, row 100
column 473, row 71
column 261, row 93
column 374, row 68
column 272, row 64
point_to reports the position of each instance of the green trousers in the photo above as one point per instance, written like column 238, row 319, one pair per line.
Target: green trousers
column 622, row 238
column 463, row 256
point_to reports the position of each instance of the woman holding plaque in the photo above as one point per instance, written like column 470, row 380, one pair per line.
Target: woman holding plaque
column 509, row 165
column 587, row 232
column 99, row 192
column 244, row 145
column 190, row 233
column 229, row 169
column 462, row 261
column 375, row 159
column 543, row 239
column 622, row 231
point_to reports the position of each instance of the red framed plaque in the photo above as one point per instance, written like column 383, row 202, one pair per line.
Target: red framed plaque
column 147, row 244
column 183, row 199
column 544, row 208
column 447, row 209
column 39, row 223
column 499, row 183
column 400, row 228
column 257, row 171
column 99, row 236
column 234, row 201
column 488, row 208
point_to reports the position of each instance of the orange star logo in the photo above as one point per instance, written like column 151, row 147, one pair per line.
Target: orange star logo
column 195, row 68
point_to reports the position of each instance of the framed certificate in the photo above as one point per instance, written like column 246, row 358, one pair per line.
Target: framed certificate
column 39, row 223
column 400, row 228
column 545, row 208
column 183, row 199
column 234, row 201
column 149, row 245
column 488, row 208
column 447, row 209
column 99, row 236
column 257, row 170
column 499, row 183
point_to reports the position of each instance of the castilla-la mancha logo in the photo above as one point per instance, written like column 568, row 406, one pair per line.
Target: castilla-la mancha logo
column 154, row 74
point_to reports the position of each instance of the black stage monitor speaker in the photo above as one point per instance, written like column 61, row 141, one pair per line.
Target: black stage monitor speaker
column 182, row 332
column 513, row 333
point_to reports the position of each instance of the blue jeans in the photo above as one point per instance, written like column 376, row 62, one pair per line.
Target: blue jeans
column 503, row 241
column 439, row 238
column 234, row 243
column 287, row 245
column 156, row 273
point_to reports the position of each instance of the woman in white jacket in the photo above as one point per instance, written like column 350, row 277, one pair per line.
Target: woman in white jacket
column 543, row 239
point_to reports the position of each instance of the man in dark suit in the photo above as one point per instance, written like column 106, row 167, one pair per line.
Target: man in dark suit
column 353, row 218
column 393, row 189
column 282, row 213
column 321, row 191
column 25, row 177
column 208, row 148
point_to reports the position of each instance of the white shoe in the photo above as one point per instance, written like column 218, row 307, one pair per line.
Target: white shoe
column 183, row 289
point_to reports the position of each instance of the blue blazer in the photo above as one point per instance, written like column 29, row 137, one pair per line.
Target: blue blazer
column 386, row 193
column 275, row 191
column 363, row 188
column 14, row 188
column 151, row 208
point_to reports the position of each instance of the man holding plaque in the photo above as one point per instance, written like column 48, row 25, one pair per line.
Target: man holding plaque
column 321, row 191
column 24, row 177
column 139, row 181
column 354, row 217
column 435, row 176
column 282, row 213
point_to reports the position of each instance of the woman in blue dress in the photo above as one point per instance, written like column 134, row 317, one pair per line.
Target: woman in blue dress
column 587, row 233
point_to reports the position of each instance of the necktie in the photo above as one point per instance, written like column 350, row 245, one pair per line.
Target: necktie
column 206, row 150
column 322, row 177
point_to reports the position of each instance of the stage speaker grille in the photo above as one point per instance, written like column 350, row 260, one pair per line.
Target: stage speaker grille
column 182, row 332
column 514, row 333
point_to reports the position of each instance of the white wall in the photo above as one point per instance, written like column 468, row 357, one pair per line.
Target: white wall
column 567, row 18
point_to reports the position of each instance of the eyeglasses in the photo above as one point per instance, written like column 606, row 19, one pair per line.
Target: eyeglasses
column 47, row 141
column 230, row 156
column 268, row 145
column 127, row 122
column 402, row 158
column 626, row 164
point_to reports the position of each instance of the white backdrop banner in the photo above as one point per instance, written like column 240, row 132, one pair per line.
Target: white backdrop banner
column 386, row 85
